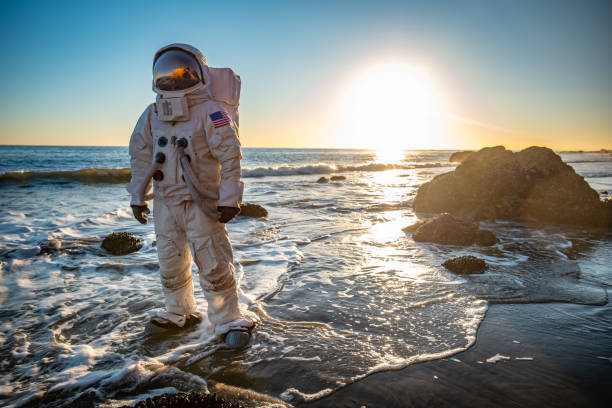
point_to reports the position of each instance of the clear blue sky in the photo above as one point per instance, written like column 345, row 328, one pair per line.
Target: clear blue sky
column 80, row 72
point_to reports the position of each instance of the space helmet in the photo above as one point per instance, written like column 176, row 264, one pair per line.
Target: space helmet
column 176, row 70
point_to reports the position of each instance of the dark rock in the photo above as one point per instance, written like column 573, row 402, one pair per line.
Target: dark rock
column 475, row 189
column 604, row 192
column 322, row 180
column 252, row 210
column 337, row 178
column 485, row 238
column 531, row 185
column 459, row 156
column 465, row 265
column 446, row 229
column 605, row 151
column 186, row 400
column 556, row 194
column 540, row 162
column 121, row 243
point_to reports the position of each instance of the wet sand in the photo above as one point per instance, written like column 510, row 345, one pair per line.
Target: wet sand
column 539, row 355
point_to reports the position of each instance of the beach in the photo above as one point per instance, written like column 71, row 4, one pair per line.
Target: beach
column 553, row 355
column 352, row 310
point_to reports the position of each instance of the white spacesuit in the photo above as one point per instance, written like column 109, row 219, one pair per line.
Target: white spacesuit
column 188, row 143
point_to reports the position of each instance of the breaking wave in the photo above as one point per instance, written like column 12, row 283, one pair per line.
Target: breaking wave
column 122, row 175
column 328, row 169
column 89, row 176
column 596, row 174
column 595, row 160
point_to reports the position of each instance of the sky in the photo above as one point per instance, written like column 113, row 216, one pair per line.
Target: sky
column 356, row 74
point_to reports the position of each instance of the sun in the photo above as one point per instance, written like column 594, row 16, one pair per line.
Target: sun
column 390, row 107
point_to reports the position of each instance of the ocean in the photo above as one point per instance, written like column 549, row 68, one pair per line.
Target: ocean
column 341, row 292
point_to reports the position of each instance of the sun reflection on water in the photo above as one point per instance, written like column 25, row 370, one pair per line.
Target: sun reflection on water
column 384, row 186
column 385, row 232
column 390, row 155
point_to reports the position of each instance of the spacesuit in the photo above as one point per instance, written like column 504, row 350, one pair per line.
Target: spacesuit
column 188, row 144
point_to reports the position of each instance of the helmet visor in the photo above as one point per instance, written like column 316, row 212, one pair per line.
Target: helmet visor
column 176, row 70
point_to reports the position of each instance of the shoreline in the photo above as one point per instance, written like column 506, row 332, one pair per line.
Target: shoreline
column 527, row 355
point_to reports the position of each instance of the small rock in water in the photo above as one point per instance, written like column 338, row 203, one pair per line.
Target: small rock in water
column 121, row 243
column 337, row 178
column 604, row 192
column 485, row 238
column 252, row 210
column 465, row 265
column 446, row 229
column 322, row 180
column 186, row 400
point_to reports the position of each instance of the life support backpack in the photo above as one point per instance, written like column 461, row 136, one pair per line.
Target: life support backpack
column 225, row 90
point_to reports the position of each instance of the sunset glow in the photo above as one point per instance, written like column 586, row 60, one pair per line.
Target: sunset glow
column 390, row 107
column 409, row 75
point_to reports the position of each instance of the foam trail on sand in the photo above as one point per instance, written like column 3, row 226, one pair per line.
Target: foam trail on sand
column 392, row 363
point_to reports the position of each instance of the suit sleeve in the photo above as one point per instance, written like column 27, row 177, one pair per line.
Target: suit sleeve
column 141, row 157
column 225, row 147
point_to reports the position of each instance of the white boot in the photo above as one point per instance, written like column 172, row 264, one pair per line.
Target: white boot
column 166, row 321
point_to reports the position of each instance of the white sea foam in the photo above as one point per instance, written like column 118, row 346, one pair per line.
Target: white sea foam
column 24, row 283
column 275, row 258
column 391, row 362
column 304, row 359
column 290, row 393
column 496, row 358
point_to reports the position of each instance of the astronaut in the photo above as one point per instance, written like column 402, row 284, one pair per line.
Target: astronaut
column 187, row 142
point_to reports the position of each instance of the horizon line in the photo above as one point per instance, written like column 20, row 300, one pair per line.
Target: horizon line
column 331, row 148
column 244, row 147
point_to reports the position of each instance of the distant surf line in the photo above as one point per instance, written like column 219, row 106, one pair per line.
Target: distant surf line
column 123, row 175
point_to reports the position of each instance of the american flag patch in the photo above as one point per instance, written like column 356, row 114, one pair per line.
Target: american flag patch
column 220, row 119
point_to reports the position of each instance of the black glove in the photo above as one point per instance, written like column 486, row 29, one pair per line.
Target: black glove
column 140, row 213
column 227, row 213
